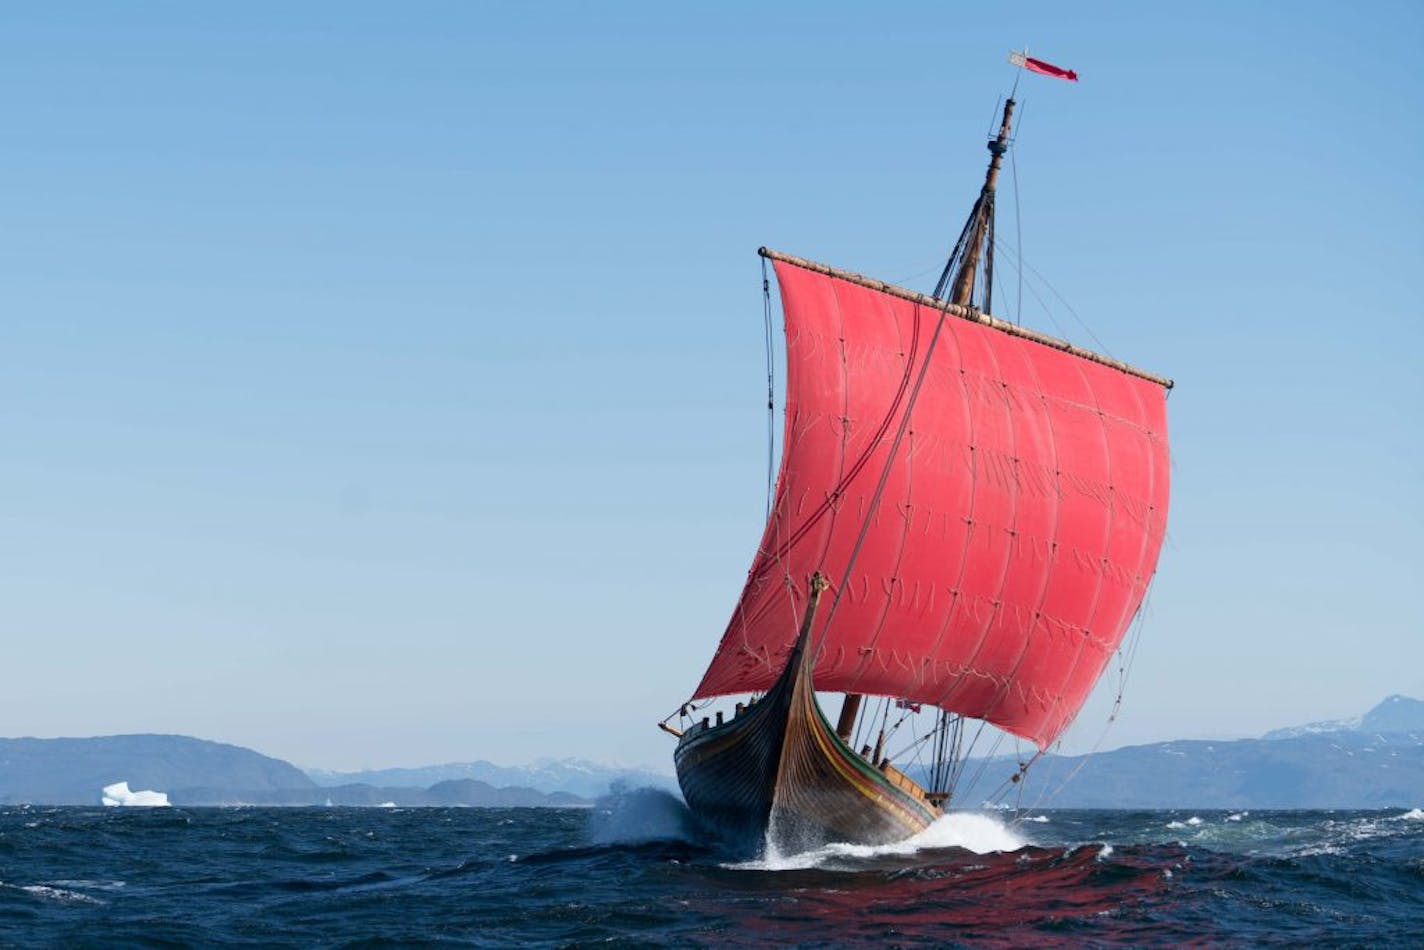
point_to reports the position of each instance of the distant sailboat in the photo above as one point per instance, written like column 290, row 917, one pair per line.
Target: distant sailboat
column 967, row 516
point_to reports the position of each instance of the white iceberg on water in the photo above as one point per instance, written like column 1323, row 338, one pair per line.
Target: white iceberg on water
column 120, row 794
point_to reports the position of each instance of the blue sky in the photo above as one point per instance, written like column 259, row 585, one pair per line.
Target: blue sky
column 381, row 384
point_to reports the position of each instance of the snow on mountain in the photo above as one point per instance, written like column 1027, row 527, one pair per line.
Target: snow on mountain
column 1395, row 715
column 1316, row 728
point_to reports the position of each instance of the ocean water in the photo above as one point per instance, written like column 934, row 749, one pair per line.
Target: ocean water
column 632, row 873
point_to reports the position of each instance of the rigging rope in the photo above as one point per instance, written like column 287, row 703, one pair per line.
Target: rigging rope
column 979, row 773
column 884, row 478
column 770, row 386
column 769, row 341
column 1025, row 265
column 1018, row 219
column 1124, row 670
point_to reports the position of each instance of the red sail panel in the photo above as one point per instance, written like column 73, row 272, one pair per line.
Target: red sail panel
column 1016, row 533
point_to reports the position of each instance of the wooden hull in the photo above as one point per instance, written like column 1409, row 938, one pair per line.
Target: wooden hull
column 778, row 777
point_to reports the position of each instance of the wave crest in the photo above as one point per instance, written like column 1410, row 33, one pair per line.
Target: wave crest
column 967, row 831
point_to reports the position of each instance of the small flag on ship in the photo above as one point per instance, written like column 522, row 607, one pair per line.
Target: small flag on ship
column 906, row 704
column 1025, row 61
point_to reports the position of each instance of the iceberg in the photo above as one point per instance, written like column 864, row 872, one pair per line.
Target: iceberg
column 119, row 794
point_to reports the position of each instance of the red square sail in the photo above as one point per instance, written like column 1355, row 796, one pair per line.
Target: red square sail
column 1016, row 533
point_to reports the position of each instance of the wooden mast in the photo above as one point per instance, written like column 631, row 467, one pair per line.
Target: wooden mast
column 983, row 215
column 850, row 708
column 845, row 725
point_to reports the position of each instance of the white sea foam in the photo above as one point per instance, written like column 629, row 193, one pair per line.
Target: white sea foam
column 1414, row 814
column 89, row 885
column 981, row 834
column 1037, row 819
column 59, row 894
column 1194, row 820
column 1237, row 816
column 119, row 794
column 1105, row 853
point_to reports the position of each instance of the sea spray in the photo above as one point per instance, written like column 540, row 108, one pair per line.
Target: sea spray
column 789, row 835
column 637, row 815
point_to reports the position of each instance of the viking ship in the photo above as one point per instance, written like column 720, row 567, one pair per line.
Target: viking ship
column 966, row 517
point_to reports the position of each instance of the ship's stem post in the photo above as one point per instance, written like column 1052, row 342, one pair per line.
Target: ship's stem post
column 963, row 287
column 818, row 584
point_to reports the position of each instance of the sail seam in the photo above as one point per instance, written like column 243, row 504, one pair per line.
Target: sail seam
column 1051, row 562
column 1091, row 623
column 996, row 602
column 868, row 654
column 957, row 596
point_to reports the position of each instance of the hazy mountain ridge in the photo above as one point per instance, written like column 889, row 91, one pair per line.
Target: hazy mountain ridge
column 199, row 772
column 1372, row 761
column 573, row 776
column 71, row 771
column 455, row 793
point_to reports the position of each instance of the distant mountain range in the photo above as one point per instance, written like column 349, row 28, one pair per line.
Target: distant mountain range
column 456, row 792
column 72, row 771
column 1373, row 761
column 572, row 776
column 198, row 772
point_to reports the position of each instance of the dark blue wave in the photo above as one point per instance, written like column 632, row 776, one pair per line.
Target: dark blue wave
column 632, row 872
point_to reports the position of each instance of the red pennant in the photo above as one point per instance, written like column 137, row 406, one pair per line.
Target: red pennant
column 1042, row 68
